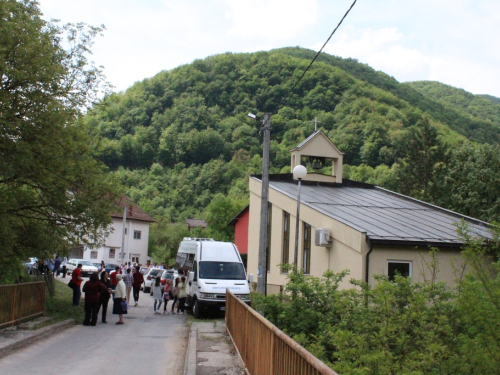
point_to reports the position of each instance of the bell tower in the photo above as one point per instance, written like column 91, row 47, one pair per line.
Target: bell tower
column 316, row 151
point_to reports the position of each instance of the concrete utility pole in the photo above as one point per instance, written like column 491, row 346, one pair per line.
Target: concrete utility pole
column 123, row 233
column 264, row 209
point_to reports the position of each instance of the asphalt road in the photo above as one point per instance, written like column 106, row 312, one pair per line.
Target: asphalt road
column 145, row 344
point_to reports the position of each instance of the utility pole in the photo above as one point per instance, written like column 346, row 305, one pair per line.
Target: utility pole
column 264, row 209
column 123, row 233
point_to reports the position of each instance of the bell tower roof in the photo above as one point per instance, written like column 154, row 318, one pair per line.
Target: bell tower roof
column 319, row 147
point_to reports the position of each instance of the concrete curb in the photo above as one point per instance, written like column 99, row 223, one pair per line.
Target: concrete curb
column 37, row 335
column 190, row 364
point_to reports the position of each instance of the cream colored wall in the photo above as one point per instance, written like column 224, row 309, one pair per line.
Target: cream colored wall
column 346, row 251
column 449, row 260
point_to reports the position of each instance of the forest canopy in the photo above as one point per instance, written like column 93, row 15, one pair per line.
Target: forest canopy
column 182, row 138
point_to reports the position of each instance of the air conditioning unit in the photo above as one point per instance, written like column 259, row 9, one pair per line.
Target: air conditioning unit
column 322, row 237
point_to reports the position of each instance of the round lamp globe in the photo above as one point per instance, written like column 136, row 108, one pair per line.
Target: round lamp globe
column 299, row 172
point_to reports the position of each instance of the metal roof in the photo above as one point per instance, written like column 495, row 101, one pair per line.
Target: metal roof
column 385, row 216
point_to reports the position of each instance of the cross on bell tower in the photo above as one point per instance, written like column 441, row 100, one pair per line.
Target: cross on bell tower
column 316, row 122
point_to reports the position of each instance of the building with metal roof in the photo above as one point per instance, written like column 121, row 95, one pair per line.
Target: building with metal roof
column 370, row 230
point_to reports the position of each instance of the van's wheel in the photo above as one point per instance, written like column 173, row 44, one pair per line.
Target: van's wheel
column 196, row 310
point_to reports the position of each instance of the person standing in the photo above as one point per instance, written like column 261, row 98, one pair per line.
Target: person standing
column 166, row 294
column 114, row 281
column 77, row 279
column 128, row 279
column 157, row 295
column 104, row 297
column 119, row 293
column 57, row 264
column 136, row 286
column 92, row 289
column 182, row 295
column 64, row 267
column 175, row 294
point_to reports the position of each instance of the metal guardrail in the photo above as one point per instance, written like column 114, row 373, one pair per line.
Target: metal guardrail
column 264, row 349
column 21, row 301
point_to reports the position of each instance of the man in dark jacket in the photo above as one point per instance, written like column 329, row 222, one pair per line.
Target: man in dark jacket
column 57, row 265
column 136, row 285
column 93, row 289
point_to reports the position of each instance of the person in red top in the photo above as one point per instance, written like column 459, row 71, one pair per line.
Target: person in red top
column 112, row 277
column 136, row 285
column 93, row 289
column 77, row 279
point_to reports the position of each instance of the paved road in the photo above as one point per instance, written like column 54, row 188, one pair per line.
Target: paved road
column 145, row 344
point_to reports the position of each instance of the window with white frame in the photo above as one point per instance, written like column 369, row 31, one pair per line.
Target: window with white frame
column 307, row 249
column 137, row 234
column 93, row 254
column 112, row 253
column 286, row 238
column 398, row 267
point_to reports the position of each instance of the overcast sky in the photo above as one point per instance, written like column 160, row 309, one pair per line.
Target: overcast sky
column 451, row 41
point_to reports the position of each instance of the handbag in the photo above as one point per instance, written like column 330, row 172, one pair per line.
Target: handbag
column 71, row 284
column 125, row 305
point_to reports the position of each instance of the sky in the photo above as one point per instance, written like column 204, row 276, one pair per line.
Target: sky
column 455, row 42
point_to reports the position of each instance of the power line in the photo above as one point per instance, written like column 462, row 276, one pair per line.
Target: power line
column 313, row 60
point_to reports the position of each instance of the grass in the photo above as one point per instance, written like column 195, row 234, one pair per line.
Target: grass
column 61, row 306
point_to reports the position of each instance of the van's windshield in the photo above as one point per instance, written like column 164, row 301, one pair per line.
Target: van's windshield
column 222, row 270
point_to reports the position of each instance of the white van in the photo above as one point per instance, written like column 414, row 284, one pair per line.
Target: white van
column 212, row 267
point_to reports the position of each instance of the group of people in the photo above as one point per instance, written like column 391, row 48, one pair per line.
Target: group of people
column 56, row 265
column 172, row 290
column 99, row 290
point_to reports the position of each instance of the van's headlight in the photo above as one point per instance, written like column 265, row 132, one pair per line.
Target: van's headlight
column 243, row 296
column 207, row 295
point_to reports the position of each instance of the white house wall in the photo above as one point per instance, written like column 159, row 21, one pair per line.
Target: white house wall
column 133, row 247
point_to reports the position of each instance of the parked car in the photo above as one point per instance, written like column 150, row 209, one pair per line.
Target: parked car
column 31, row 265
column 149, row 278
column 168, row 275
column 87, row 266
column 144, row 270
column 110, row 267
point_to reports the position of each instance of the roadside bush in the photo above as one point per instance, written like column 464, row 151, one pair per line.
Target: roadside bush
column 397, row 327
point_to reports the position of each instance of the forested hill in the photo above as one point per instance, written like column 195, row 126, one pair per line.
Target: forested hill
column 485, row 108
column 181, row 139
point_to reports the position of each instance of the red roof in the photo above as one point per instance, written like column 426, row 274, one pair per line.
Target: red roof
column 134, row 212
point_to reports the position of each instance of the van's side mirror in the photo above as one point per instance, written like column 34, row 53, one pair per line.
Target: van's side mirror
column 250, row 278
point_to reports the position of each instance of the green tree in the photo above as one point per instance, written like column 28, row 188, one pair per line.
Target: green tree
column 53, row 192
column 418, row 171
column 164, row 239
column 471, row 181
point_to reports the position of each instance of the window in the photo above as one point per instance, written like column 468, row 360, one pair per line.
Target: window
column 286, row 238
column 111, row 253
column 307, row 249
column 396, row 267
column 93, row 255
column 268, row 246
column 135, row 258
column 137, row 234
column 222, row 270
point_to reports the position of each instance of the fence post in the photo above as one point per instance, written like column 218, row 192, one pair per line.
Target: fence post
column 13, row 308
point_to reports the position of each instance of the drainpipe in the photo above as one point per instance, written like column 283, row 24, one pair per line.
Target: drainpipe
column 368, row 261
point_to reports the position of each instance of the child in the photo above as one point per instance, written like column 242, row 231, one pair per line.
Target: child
column 166, row 295
column 157, row 295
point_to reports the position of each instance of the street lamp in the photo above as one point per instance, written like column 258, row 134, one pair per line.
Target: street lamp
column 299, row 172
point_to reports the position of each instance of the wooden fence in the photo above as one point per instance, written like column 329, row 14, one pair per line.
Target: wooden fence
column 21, row 301
column 264, row 349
